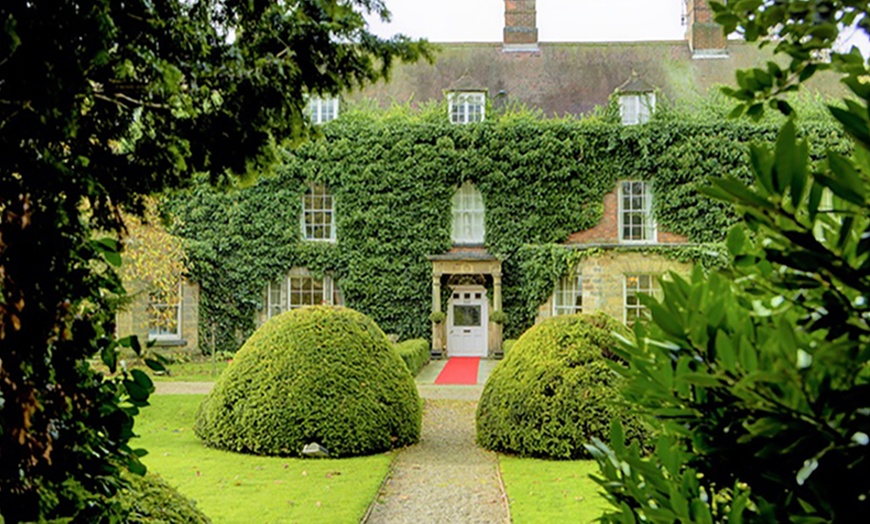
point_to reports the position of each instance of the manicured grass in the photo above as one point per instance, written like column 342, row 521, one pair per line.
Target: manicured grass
column 232, row 487
column 548, row 491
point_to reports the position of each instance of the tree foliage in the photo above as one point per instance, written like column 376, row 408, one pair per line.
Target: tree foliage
column 758, row 376
column 102, row 102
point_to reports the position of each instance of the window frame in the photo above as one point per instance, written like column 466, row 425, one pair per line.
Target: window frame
column 460, row 104
column 476, row 215
column 571, row 285
column 329, row 292
column 308, row 230
column 160, row 335
column 319, row 107
column 640, row 309
column 636, row 108
column 649, row 226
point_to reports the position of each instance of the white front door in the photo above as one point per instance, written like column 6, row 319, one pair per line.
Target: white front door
column 467, row 322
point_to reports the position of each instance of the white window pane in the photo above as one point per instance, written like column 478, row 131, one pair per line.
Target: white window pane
column 468, row 215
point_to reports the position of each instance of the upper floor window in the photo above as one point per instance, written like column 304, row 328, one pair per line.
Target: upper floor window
column 636, row 222
column 465, row 108
column 468, row 215
column 164, row 314
column 322, row 110
column 636, row 108
column 318, row 214
column 635, row 284
column 300, row 289
column 568, row 298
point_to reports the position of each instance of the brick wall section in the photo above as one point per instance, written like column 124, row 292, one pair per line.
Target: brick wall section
column 520, row 22
column 607, row 230
column 603, row 280
column 703, row 33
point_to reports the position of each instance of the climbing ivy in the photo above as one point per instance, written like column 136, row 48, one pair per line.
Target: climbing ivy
column 393, row 174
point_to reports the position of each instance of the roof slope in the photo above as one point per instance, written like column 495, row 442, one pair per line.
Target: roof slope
column 568, row 78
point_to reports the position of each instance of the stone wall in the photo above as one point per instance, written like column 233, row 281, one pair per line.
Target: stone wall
column 604, row 278
column 133, row 318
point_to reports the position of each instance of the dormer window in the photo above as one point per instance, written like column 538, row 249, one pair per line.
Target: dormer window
column 468, row 215
column 465, row 108
column 637, row 101
column 636, row 108
column 322, row 110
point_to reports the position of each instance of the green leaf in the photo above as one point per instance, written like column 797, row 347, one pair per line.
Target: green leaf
column 736, row 191
column 617, row 436
column 703, row 380
column 142, row 379
column 154, row 365
column 136, row 391
column 108, row 247
column 763, row 165
column 736, row 240
column 854, row 124
column 135, row 346
column 844, row 181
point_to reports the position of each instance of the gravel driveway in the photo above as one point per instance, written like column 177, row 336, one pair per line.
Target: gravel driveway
column 446, row 477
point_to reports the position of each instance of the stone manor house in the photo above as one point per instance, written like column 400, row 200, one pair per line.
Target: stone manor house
column 558, row 79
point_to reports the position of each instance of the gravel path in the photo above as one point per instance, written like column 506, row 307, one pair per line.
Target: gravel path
column 445, row 478
column 186, row 388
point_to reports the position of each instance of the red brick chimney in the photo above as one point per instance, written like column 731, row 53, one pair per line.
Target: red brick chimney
column 520, row 25
column 704, row 36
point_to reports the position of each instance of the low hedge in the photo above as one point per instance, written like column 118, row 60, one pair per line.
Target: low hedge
column 150, row 500
column 319, row 374
column 507, row 345
column 554, row 391
column 415, row 353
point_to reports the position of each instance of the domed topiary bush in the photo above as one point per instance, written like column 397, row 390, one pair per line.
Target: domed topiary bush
column 319, row 374
column 554, row 391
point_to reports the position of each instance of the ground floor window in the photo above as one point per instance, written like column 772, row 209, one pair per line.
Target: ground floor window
column 635, row 284
column 164, row 313
column 568, row 298
column 300, row 289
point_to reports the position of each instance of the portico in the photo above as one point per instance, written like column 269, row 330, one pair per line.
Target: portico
column 469, row 281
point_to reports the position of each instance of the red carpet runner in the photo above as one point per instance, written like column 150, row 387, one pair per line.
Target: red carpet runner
column 459, row 370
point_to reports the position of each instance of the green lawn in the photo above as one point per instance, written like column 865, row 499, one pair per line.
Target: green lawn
column 549, row 491
column 231, row 487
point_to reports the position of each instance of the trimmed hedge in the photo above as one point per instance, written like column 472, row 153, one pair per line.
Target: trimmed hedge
column 150, row 500
column 507, row 345
column 554, row 390
column 415, row 353
column 320, row 374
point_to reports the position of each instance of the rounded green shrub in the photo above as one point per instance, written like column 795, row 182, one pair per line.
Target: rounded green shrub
column 319, row 374
column 554, row 390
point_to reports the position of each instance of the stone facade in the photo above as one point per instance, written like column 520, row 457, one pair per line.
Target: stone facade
column 133, row 318
column 604, row 279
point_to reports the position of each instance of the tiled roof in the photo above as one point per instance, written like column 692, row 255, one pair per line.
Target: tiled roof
column 567, row 78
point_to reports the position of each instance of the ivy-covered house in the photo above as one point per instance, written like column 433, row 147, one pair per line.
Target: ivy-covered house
column 515, row 181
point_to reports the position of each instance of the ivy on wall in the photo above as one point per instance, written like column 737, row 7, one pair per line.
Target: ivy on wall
column 393, row 176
